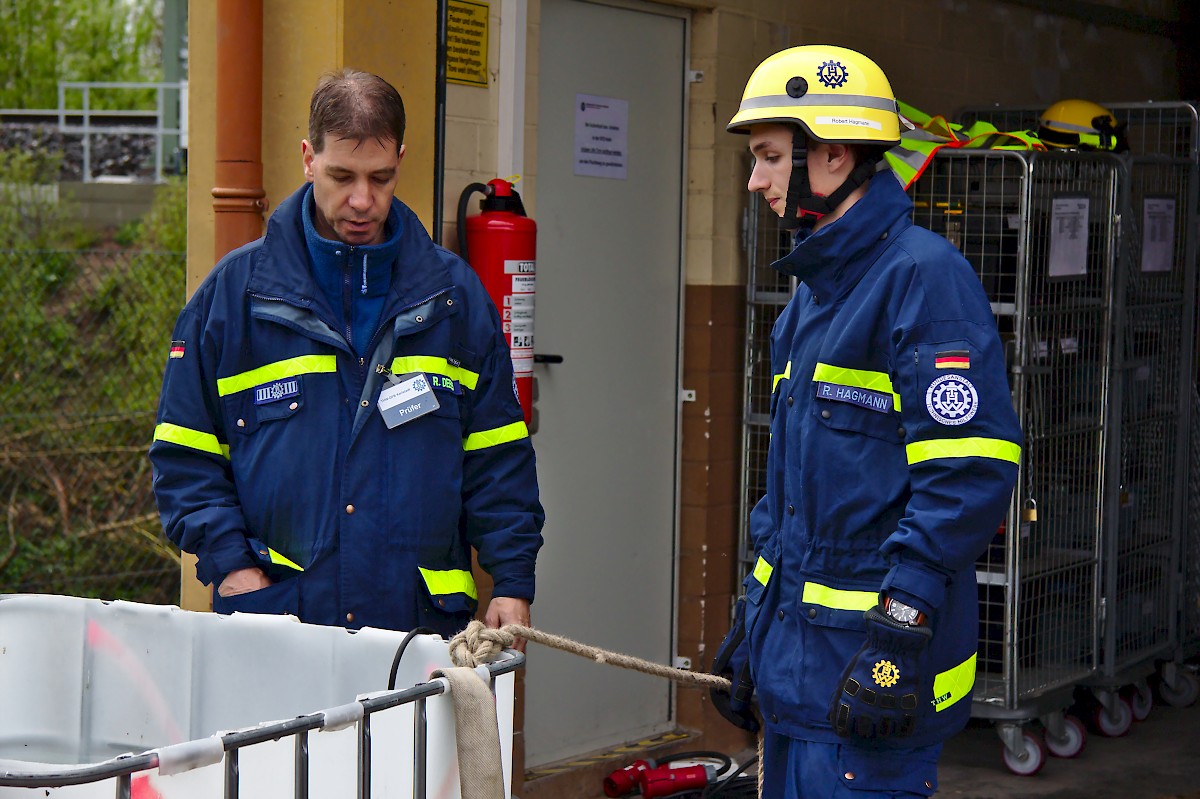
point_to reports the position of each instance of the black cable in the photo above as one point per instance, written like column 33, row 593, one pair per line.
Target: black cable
column 734, row 786
column 400, row 653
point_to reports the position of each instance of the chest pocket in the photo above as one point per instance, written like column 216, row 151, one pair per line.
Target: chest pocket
column 857, row 401
column 277, row 402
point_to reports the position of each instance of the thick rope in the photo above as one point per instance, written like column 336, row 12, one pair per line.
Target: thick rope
column 480, row 644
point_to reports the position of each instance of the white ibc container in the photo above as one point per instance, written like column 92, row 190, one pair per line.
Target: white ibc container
column 85, row 683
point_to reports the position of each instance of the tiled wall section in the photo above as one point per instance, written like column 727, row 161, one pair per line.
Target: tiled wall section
column 714, row 339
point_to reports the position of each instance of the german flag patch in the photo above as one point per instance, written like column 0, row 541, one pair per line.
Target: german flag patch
column 953, row 359
column 177, row 348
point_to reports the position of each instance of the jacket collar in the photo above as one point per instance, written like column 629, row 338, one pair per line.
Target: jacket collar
column 371, row 264
column 832, row 260
column 282, row 269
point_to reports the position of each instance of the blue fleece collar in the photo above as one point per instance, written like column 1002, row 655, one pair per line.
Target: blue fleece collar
column 832, row 260
column 372, row 263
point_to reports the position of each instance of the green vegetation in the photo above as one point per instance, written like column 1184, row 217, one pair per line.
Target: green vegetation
column 83, row 341
column 45, row 41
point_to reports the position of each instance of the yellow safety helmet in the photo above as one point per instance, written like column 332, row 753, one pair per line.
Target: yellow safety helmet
column 1081, row 125
column 834, row 94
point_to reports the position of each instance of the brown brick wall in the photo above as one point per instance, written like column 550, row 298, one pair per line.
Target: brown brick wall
column 714, row 341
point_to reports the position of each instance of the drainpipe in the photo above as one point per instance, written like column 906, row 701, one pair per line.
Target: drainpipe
column 439, row 120
column 238, row 196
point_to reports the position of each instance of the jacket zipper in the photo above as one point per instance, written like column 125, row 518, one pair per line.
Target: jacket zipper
column 347, row 299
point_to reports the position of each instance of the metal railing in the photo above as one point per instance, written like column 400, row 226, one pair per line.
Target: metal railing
column 211, row 751
column 89, row 122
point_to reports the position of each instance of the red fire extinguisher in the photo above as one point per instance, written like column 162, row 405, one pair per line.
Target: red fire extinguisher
column 500, row 243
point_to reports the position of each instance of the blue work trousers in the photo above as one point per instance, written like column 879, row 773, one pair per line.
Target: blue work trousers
column 796, row 769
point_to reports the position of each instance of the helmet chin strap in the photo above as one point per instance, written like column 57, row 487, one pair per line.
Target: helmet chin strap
column 802, row 208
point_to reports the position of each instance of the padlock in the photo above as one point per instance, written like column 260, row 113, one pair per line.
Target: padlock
column 1029, row 512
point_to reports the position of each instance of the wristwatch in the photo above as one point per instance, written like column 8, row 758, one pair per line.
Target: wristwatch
column 905, row 614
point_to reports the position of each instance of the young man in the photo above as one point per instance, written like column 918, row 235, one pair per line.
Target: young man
column 894, row 448
column 338, row 427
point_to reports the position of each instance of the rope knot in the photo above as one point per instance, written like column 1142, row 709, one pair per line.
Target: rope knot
column 478, row 644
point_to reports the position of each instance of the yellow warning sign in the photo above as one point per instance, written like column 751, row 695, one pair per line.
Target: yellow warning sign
column 467, row 42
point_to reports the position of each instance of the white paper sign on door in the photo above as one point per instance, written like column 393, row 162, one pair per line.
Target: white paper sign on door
column 601, row 136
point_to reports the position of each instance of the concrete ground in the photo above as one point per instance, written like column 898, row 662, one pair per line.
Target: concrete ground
column 1158, row 759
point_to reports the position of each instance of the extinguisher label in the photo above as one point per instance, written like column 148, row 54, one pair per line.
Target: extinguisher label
column 523, row 284
column 520, row 267
column 519, row 301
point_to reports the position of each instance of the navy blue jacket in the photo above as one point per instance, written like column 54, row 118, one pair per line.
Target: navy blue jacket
column 894, row 449
column 269, row 449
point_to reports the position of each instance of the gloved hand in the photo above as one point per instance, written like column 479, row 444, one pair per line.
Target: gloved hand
column 879, row 690
column 733, row 662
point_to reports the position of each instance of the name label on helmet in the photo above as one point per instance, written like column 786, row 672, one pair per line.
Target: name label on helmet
column 850, row 121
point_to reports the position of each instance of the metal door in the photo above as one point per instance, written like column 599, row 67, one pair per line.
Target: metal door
column 608, row 301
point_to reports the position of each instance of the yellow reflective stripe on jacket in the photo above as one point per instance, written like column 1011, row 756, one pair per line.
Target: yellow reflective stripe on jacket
column 762, row 570
column 500, row 435
column 787, row 375
column 303, row 364
column 954, row 684
column 436, row 365
column 997, row 448
column 280, row 560
column 837, row 598
column 856, row 378
column 192, row 439
column 450, row 581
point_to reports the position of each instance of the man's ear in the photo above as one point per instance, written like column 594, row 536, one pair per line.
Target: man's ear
column 837, row 152
column 306, row 157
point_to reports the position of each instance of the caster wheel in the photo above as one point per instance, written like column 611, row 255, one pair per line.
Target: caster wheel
column 1141, row 701
column 1117, row 723
column 1183, row 693
column 1030, row 760
column 1072, row 741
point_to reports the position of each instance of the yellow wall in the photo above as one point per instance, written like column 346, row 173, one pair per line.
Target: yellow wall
column 301, row 40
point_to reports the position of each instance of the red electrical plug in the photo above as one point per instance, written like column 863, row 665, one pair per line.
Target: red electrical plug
column 664, row 780
column 625, row 781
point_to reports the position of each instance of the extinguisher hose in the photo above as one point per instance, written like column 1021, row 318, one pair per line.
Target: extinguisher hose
column 463, row 199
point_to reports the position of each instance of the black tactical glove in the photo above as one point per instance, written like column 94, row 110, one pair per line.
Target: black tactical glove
column 879, row 691
column 733, row 662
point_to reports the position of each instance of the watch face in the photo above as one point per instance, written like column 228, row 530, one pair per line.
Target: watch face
column 902, row 612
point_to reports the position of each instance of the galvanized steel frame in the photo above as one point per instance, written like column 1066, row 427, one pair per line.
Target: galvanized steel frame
column 204, row 752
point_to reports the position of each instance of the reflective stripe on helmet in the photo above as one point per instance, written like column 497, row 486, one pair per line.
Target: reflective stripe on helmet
column 783, row 100
column 192, row 439
column 449, row 581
